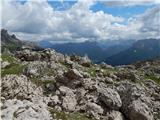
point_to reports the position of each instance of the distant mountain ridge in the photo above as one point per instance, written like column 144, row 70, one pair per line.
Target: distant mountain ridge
column 114, row 54
column 9, row 42
column 44, row 44
column 141, row 50
column 92, row 49
column 12, row 43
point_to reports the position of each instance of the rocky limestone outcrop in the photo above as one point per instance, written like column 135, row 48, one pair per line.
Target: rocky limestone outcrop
column 73, row 74
column 35, row 68
column 136, row 104
column 73, row 84
column 19, row 87
column 45, row 55
column 94, row 110
column 114, row 115
column 68, row 98
column 84, row 61
column 110, row 98
column 14, row 109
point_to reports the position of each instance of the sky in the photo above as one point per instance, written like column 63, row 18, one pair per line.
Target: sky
column 81, row 20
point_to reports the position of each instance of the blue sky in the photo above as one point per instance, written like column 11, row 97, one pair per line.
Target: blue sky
column 123, row 11
column 61, row 6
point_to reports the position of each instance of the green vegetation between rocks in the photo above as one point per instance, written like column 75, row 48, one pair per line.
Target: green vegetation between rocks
column 92, row 71
column 154, row 78
column 43, row 83
column 48, row 72
column 157, row 116
column 40, row 82
column 67, row 66
column 9, row 58
column 14, row 68
column 71, row 116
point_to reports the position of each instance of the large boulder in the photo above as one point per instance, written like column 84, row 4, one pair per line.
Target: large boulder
column 115, row 115
column 24, row 110
column 139, row 111
column 52, row 55
column 128, row 74
column 68, row 98
column 89, row 84
column 94, row 110
column 28, row 55
column 137, row 105
column 85, row 61
column 73, row 74
column 110, row 98
column 54, row 101
column 35, row 68
column 19, row 87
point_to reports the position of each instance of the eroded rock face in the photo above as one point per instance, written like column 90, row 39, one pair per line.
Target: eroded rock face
column 89, row 84
column 19, row 87
column 110, row 98
column 28, row 55
column 136, row 104
column 73, row 74
column 35, row 68
column 45, row 55
column 114, row 115
column 68, row 98
column 94, row 110
column 84, row 61
column 24, row 110
column 139, row 111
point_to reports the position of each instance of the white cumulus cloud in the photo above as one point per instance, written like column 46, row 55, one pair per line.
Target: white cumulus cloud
column 79, row 23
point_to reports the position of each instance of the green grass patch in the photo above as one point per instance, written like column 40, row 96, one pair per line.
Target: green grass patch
column 14, row 68
column 9, row 58
column 48, row 72
column 92, row 71
column 65, row 65
column 39, row 82
column 157, row 116
column 154, row 78
column 71, row 116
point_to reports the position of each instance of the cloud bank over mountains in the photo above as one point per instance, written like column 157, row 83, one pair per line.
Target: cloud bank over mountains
column 38, row 20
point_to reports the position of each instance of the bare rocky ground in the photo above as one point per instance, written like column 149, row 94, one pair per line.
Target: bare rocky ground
column 46, row 85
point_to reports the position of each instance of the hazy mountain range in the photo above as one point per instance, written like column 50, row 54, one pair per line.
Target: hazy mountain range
column 114, row 53
column 141, row 50
column 96, row 51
